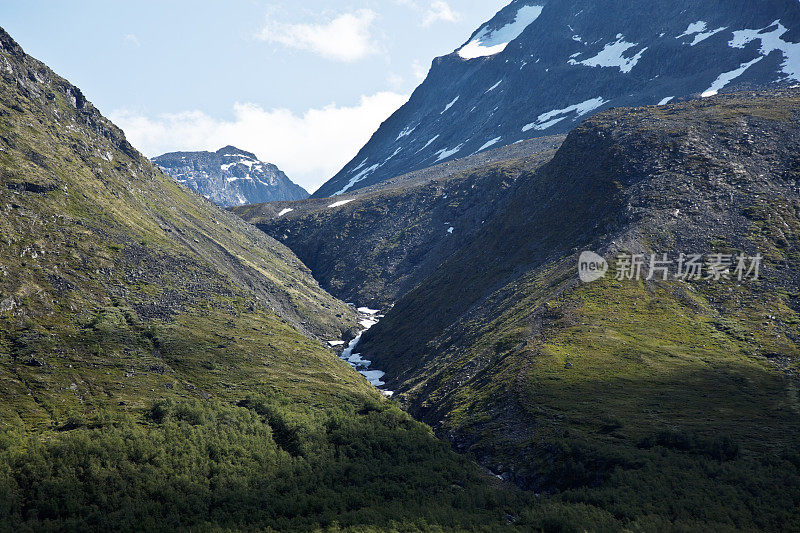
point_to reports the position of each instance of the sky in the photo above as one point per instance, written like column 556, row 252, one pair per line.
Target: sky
column 300, row 84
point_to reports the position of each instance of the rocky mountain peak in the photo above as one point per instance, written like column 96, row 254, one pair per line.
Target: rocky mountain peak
column 233, row 151
column 539, row 67
column 230, row 176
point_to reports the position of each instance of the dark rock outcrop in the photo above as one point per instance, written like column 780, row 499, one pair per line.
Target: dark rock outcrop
column 373, row 247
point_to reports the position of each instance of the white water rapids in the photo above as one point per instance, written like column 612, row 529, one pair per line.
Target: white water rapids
column 369, row 317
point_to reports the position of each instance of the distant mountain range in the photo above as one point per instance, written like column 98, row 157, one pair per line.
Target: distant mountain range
column 230, row 177
column 539, row 67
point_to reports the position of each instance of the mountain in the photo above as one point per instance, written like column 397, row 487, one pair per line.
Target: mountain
column 539, row 67
column 673, row 391
column 230, row 177
column 161, row 363
column 374, row 246
column 102, row 252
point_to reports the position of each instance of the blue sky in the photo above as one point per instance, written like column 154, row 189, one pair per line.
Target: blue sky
column 302, row 85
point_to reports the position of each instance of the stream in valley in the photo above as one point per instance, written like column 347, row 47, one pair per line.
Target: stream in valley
column 367, row 318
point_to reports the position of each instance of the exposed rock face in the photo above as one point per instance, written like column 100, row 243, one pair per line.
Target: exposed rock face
column 373, row 247
column 539, row 67
column 7, row 305
column 230, row 177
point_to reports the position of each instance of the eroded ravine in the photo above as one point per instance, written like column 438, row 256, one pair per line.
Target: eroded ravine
column 367, row 318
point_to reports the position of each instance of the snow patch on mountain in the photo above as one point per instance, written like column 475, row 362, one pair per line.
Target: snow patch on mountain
column 612, row 55
column 698, row 29
column 405, row 133
column 444, row 154
column 549, row 119
column 491, row 42
column 726, row 77
column 451, row 104
column 400, row 149
column 360, row 165
column 694, row 28
column 493, row 87
column 358, row 177
column 341, row 203
column 771, row 42
column 489, row 143
column 428, row 143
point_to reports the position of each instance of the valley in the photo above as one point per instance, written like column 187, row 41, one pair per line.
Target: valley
column 584, row 391
column 191, row 342
column 375, row 246
column 163, row 365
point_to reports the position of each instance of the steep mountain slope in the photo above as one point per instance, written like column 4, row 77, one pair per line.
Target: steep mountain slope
column 154, row 371
column 230, row 177
column 95, row 237
column 373, row 247
column 675, row 393
column 540, row 66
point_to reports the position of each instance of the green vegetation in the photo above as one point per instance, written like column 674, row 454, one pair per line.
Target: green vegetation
column 160, row 360
column 264, row 464
column 657, row 397
column 121, row 286
column 161, row 365
column 638, row 405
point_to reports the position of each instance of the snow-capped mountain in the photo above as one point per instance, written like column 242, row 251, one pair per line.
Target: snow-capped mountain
column 541, row 66
column 230, row 177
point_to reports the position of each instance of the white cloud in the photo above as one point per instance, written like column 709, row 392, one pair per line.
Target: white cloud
column 132, row 39
column 347, row 37
column 395, row 80
column 436, row 11
column 439, row 10
column 310, row 148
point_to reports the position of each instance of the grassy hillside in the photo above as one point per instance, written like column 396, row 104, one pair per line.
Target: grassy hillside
column 113, row 275
column 658, row 401
column 160, row 360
